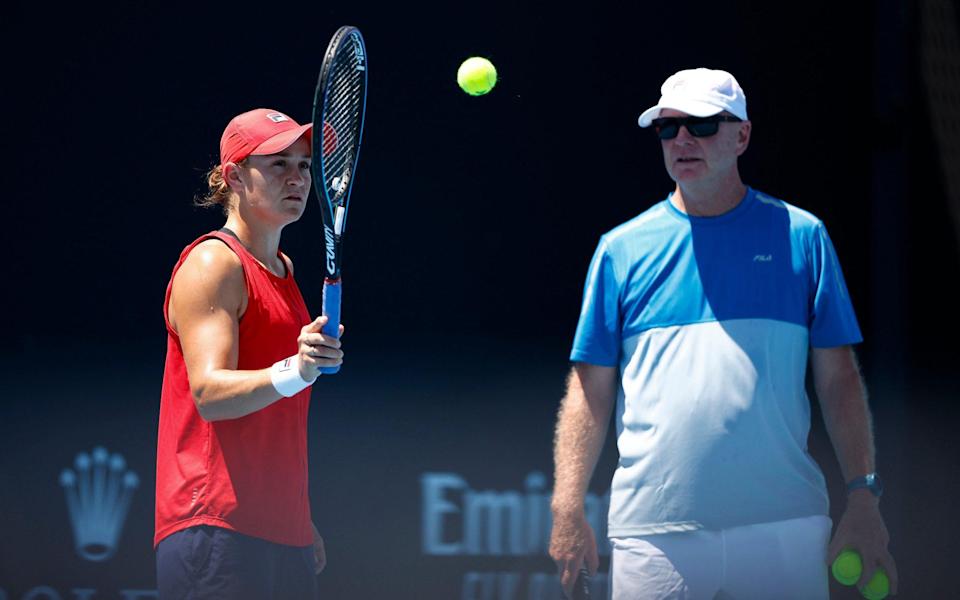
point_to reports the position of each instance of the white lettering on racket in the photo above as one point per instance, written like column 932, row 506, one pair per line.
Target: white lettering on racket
column 358, row 52
column 331, row 253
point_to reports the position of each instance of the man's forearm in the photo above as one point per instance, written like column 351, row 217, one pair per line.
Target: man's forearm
column 580, row 434
column 846, row 415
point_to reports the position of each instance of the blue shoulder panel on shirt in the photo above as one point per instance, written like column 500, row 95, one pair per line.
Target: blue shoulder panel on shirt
column 765, row 259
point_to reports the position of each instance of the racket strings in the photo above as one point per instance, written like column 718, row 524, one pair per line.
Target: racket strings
column 343, row 111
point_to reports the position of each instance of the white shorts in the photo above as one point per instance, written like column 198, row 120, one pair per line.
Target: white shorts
column 783, row 559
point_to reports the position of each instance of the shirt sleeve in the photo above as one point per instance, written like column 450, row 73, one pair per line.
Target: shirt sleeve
column 597, row 340
column 832, row 319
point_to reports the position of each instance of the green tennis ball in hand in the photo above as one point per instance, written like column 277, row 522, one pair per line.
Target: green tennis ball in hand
column 476, row 76
column 847, row 567
column 878, row 587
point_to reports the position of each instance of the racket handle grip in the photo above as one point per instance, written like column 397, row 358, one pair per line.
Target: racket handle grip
column 581, row 589
column 331, row 309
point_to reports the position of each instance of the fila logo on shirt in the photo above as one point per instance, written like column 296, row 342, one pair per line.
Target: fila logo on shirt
column 764, row 258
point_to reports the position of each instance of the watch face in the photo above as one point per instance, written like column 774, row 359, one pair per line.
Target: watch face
column 870, row 481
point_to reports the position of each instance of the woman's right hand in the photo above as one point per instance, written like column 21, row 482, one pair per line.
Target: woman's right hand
column 317, row 350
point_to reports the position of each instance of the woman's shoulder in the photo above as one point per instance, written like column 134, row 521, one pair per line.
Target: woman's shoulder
column 213, row 253
column 210, row 265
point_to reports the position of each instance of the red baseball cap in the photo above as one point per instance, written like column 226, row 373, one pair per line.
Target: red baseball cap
column 258, row 132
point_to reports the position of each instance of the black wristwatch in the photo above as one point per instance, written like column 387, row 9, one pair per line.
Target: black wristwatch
column 870, row 481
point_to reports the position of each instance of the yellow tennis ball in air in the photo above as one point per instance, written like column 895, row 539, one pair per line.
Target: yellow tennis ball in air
column 878, row 587
column 847, row 567
column 476, row 76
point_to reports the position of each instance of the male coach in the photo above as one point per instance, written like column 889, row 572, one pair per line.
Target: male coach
column 698, row 321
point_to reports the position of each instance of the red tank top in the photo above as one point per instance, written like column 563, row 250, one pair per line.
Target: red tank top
column 247, row 474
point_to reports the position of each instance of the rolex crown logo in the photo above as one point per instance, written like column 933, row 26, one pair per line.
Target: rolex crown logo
column 98, row 490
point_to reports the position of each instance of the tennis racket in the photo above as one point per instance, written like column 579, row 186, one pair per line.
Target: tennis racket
column 581, row 588
column 339, row 104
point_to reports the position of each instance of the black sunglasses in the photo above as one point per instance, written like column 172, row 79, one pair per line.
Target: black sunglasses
column 667, row 128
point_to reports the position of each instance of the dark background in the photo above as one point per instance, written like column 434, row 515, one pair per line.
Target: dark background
column 472, row 224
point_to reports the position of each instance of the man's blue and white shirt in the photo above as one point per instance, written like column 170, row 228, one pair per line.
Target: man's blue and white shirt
column 709, row 320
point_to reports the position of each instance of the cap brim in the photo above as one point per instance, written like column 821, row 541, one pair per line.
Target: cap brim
column 282, row 140
column 691, row 107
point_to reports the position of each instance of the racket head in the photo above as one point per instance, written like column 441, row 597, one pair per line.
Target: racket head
column 339, row 105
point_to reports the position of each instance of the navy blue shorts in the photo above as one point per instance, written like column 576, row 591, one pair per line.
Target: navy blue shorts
column 203, row 562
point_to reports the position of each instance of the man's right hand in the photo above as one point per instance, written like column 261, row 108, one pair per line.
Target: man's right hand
column 573, row 543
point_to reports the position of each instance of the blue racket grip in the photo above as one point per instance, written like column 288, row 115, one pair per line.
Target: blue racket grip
column 331, row 309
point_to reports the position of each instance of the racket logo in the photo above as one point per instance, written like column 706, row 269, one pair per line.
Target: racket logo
column 331, row 252
column 358, row 53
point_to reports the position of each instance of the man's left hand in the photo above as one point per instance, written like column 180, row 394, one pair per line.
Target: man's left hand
column 862, row 529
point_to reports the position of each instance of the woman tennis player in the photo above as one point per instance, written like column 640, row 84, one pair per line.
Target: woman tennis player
column 232, row 508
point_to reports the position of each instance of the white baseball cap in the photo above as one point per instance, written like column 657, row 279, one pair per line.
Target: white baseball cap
column 700, row 93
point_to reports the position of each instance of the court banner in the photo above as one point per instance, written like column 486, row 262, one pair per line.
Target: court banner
column 497, row 540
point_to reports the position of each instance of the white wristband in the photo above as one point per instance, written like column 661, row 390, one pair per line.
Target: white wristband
column 286, row 379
